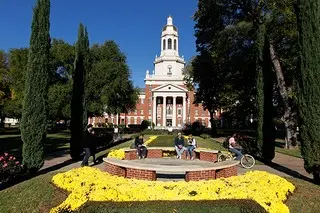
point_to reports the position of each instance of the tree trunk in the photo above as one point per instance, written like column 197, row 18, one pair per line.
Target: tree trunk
column 289, row 124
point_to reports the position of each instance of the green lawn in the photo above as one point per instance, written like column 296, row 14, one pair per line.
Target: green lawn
column 12, row 143
column 280, row 143
column 39, row 195
column 222, row 206
column 168, row 141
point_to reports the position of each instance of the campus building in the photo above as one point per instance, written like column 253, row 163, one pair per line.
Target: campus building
column 165, row 100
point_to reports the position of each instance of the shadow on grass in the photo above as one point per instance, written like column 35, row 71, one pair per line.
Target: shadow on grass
column 101, row 153
column 286, row 170
column 174, row 206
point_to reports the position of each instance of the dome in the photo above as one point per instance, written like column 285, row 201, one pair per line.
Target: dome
column 165, row 28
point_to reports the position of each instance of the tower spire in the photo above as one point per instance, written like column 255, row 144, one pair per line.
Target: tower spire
column 169, row 20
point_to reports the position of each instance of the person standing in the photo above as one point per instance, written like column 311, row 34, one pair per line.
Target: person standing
column 179, row 145
column 87, row 144
column 116, row 133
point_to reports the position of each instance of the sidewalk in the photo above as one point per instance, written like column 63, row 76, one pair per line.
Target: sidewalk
column 282, row 165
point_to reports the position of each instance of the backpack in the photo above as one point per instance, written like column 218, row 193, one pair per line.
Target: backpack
column 225, row 143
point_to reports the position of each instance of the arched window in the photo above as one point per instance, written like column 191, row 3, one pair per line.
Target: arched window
column 164, row 44
column 175, row 44
column 169, row 43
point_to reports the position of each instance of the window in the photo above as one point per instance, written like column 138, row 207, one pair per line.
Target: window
column 149, row 100
column 149, row 110
column 175, row 44
column 164, row 44
column 179, row 111
column 141, row 112
column 135, row 111
column 196, row 112
column 169, row 43
column 169, row 111
column 203, row 113
column 142, row 100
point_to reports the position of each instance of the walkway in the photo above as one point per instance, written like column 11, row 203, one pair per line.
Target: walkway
column 282, row 165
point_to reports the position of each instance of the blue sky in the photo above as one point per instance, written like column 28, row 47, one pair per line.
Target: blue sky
column 134, row 25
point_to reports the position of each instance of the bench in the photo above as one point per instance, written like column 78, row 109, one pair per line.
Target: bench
column 157, row 152
column 140, row 170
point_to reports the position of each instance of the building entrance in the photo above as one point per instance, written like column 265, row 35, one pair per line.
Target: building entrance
column 169, row 122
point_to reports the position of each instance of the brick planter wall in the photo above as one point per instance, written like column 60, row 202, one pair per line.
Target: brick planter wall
column 227, row 172
column 207, row 156
column 115, row 170
column 141, row 174
column 154, row 153
column 200, row 175
column 194, row 155
column 130, row 155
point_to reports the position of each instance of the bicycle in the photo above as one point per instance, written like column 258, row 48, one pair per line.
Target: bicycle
column 247, row 161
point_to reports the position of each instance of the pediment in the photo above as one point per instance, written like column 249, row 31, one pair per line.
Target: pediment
column 169, row 88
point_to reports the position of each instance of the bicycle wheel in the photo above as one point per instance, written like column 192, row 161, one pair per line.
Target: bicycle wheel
column 247, row 161
column 224, row 157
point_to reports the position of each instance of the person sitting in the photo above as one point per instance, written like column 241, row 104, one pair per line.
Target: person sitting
column 234, row 147
column 179, row 145
column 141, row 148
column 191, row 146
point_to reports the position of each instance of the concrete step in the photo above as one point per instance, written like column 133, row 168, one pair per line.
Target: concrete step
column 170, row 180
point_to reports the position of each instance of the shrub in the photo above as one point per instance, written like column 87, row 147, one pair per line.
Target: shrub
column 196, row 128
column 9, row 168
column 145, row 124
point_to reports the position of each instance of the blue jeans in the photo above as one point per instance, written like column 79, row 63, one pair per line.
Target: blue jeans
column 180, row 151
column 189, row 151
column 237, row 152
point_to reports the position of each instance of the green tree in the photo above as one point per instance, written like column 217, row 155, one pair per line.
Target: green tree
column 4, row 83
column 60, row 90
column 110, row 88
column 78, row 102
column 309, row 89
column 18, row 61
column 34, row 116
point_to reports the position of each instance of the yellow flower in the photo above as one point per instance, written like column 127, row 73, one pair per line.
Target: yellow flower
column 91, row 184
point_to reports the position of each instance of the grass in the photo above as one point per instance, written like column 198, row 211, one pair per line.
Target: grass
column 168, row 141
column 280, row 143
column 174, row 206
column 34, row 195
column 39, row 195
column 12, row 143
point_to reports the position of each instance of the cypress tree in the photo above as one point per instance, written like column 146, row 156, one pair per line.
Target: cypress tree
column 34, row 115
column 308, row 15
column 78, row 103
column 265, row 128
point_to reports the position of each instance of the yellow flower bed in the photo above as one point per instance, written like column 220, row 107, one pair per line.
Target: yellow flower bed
column 117, row 153
column 120, row 154
column 90, row 184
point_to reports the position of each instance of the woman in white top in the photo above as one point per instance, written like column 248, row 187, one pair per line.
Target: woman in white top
column 191, row 146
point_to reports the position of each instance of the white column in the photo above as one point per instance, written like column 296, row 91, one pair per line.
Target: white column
column 174, row 113
column 164, row 114
column 184, row 113
column 117, row 117
column 154, row 110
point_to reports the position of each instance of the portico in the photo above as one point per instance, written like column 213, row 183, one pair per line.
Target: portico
column 169, row 106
